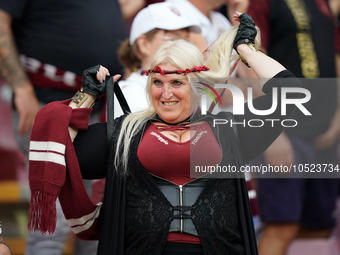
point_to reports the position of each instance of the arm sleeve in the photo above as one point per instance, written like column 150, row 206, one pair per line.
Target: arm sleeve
column 91, row 150
column 255, row 140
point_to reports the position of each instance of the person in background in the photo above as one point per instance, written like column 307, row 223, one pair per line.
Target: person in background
column 152, row 26
column 130, row 8
column 45, row 46
column 206, row 14
column 231, row 6
column 301, row 35
column 335, row 8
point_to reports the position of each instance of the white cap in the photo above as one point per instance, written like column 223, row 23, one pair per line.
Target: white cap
column 162, row 15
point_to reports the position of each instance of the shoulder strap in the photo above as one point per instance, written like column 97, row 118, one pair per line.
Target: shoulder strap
column 121, row 99
column 111, row 88
column 111, row 240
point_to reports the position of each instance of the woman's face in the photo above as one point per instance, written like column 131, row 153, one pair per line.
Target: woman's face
column 170, row 95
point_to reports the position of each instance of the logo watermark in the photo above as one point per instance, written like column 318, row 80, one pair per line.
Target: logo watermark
column 302, row 111
column 240, row 101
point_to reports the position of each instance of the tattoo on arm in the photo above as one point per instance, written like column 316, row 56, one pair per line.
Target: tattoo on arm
column 10, row 67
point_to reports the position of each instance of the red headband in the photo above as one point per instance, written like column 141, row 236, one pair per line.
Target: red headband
column 185, row 72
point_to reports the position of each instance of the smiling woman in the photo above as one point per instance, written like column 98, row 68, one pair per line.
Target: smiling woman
column 152, row 205
column 170, row 95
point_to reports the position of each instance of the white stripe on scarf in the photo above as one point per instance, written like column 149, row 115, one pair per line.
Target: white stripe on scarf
column 85, row 222
column 47, row 151
column 47, row 146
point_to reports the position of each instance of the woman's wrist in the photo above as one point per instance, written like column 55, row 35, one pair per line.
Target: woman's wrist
column 82, row 100
column 246, row 51
column 262, row 65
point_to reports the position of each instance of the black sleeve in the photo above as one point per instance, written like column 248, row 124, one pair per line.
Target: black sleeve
column 255, row 140
column 91, row 151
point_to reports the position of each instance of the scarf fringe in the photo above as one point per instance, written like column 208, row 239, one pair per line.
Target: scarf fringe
column 42, row 212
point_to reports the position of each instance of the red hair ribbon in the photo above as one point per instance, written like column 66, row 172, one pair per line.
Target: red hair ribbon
column 185, row 72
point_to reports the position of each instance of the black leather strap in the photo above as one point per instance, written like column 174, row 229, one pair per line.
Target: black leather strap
column 110, row 108
column 111, row 239
column 121, row 99
column 111, row 88
column 182, row 212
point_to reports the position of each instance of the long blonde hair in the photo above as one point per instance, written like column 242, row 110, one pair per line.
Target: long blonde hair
column 182, row 55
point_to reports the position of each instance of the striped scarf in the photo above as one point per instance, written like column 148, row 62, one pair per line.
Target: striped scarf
column 54, row 172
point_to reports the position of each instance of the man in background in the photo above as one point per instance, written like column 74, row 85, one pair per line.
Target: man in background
column 44, row 47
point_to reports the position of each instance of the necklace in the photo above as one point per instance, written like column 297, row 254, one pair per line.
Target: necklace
column 182, row 123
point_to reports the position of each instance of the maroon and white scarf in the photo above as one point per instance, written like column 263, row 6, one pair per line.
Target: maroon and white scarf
column 54, row 172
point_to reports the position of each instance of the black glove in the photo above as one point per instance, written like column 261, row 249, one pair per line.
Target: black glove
column 91, row 85
column 246, row 32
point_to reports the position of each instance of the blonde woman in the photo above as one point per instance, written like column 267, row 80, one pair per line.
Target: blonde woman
column 152, row 205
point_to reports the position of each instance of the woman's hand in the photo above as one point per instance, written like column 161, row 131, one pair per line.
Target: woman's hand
column 246, row 32
column 94, row 81
column 27, row 106
column 102, row 73
column 236, row 16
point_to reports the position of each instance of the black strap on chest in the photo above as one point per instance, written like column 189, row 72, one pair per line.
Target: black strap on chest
column 182, row 212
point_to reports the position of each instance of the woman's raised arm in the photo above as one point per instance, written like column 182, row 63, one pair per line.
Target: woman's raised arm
column 92, row 89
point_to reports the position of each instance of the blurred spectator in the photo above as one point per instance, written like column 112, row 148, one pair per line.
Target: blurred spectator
column 232, row 6
column 301, row 35
column 211, row 22
column 45, row 46
column 12, row 159
column 335, row 8
column 130, row 8
column 206, row 13
column 152, row 26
